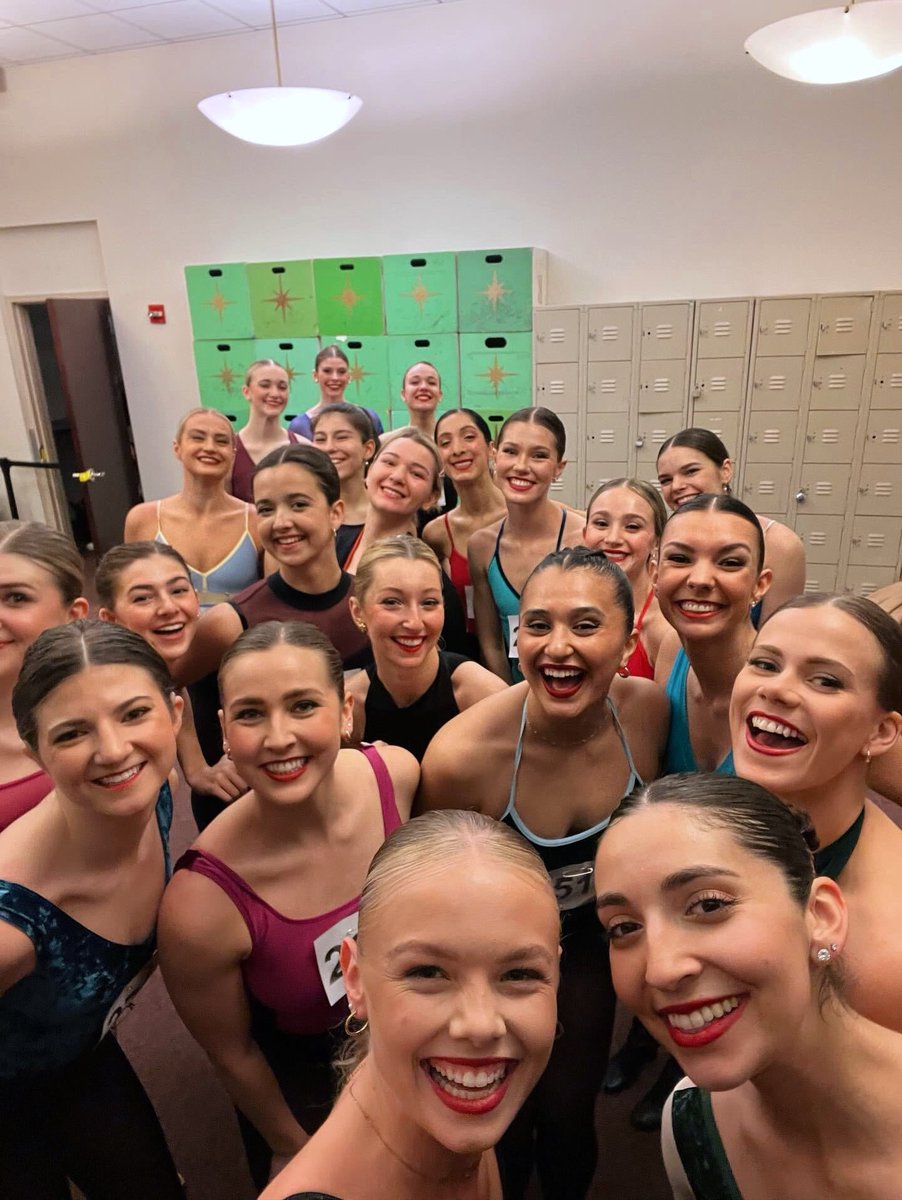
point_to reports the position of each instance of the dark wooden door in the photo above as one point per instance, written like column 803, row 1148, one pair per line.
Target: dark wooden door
column 88, row 363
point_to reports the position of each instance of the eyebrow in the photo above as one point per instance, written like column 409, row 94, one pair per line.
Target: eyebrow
column 720, row 549
column 670, row 883
column 430, row 950
column 17, row 585
column 120, row 708
column 582, row 611
column 295, row 694
column 148, row 587
column 811, row 662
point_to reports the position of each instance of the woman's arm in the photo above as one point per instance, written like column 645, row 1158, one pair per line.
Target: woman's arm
column 17, row 956
column 141, row 523
column 435, row 535
column 472, row 683
column 785, row 555
column 216, row 630
column 357, row 684
column 488, row 622
column 202, row 942
column 405, row 776
column 667, row 652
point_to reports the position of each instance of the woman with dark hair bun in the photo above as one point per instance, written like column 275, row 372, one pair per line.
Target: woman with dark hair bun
column 529, row 458
column 465, row 443
column 524, row 756
column 81, row 876
column 695, row 462
column 332, row 373
column 345, row 432
column 815, row 710
column 729, row 946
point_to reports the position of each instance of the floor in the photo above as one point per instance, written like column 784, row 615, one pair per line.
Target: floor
column 201, row 1127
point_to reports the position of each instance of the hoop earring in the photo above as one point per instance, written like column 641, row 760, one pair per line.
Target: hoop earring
column 354, row 1031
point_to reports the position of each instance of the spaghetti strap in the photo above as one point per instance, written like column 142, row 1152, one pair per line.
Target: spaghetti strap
column 499, row 537
column 648, row 600
column 349, row 557
column 160, row 536
column 448, row 531
column 560, row 532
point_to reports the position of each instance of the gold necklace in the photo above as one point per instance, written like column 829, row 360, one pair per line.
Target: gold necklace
column 465, row 1175
column 564, row 745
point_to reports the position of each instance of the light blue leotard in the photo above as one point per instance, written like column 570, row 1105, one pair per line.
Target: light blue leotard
column 678, row 754
column 238, row 570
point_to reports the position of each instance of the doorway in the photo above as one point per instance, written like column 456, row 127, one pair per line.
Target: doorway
column 81, row 414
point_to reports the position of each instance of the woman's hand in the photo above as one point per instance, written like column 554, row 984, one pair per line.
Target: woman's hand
column 221, row 780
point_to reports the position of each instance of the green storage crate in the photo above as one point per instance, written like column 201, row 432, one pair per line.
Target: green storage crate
column 283, row 303
column 496, row 370
column 349, row 296
column 441, row 349
column 219, row 300
column 369, row 374
column 420, row 293
column 494, row 416
column 494, row 290
column 296, row 355
column 220, row 375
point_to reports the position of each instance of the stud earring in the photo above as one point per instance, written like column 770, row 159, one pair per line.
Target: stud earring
column 623, row 671
column 361, row 625
column 226, row 749
column 867, row 757
column 826, row 953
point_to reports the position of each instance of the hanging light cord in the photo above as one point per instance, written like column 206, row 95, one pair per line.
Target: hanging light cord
column 275, row 42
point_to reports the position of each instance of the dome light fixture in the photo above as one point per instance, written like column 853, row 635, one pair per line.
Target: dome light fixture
column 280, row 116
column 833, row 45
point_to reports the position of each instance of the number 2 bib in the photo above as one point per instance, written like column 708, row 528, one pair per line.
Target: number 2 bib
column 327, row 949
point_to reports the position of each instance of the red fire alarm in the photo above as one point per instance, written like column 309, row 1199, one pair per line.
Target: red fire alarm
column 156, row 314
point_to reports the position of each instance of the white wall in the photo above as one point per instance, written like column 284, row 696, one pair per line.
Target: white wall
column 687, row 173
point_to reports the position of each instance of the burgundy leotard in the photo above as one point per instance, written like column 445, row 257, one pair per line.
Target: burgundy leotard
column 20, row 795
column 281, row 971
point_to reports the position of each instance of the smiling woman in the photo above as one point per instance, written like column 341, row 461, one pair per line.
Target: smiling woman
column 456, row 990
column 726, row 944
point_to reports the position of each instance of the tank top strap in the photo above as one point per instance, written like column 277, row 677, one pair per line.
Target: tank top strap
column 635, row 779
column 245, row 899
column 498, row 538
column 518, row 755
column 641, row 618
column 353, row 550
column 160, row 536
column 448, row 531
column 560, row 532
column 391, row 818
column 247, row 518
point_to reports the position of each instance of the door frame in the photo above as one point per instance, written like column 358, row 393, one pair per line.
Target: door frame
column 33, row 401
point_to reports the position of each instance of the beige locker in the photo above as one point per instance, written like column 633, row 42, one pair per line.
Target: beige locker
column 599, row 473
column 607, row 437
column 783, row 327
column 890, row 339
column 610, row 333
column 830, row 437
column 662, row 386
column 719, row 385
column 570, row 421
column 724, row 424
column 772, row 436
column 837, row 381
column 566, row 490
column 824, row 488
column 765, row 487
column 665, row 331
column 880, row 490
column 875, row 541
column 609, row 386
column 820, row 577
column 844, row 324
column 777, row 383
column 883, row 441
column 821, row 536
column 887, row 391
column 723, row 329
column 557, row 386
column 863, row 580
column 556, row 335
column 652, row 432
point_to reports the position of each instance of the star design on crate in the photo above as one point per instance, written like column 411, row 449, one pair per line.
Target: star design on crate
column 282, row 301
column 226, row 377
column 419, row 294
column 496, row 375
column 349, row 299
column 495, row 292
column 218, row 302
column 289, row 371
column 356, row 373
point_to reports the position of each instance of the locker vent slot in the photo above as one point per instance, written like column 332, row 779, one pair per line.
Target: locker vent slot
column 830, row 437
column 662, row 384
column 771, row 437
column 824, row 488
column 604, row 436
column 890, row 437
column 783, row 325
column 663, row 332
column 844, row 325
column 557, row 336
column 817, row 539
column 766, row 487
column 883, row 491
column 876, row 541
column 812, row 585
column 659, row 436
column 723, row 328
column 866, row 588
column 718, row 383
column 556, row 387
column 895, row 380
column 608, row 386
column 839, row 380
column 776, row 383
column 610, row 333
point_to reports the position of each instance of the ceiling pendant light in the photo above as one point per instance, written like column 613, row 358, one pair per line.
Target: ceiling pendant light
column 280, row 116
column 833, row 45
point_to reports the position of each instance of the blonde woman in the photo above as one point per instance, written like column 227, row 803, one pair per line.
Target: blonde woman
column 266, row 388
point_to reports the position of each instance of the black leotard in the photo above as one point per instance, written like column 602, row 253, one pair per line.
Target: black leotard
column 415, row 726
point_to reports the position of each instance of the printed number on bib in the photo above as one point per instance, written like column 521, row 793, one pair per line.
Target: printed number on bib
column 327, row 948
column 573, row 885
column 513, row 625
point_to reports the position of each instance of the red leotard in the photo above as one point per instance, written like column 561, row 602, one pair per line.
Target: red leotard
column 638, row 663
column 459, row 570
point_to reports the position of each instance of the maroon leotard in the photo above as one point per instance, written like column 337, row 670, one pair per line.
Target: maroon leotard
column 20, row 795
column 281, row 971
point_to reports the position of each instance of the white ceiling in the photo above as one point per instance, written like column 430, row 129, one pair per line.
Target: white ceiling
column 40, row 30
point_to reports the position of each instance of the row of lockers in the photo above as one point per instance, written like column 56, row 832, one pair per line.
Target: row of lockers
column 479, row 370
column 472, row 291
column 805, row 391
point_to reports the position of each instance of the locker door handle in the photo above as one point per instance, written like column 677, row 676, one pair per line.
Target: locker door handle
column 640, row 442
column 764, row 329
column 856, row 541
column 540, row 337
column 593, row 335
column 864, row 489
column 801, row 495
column 817, row 383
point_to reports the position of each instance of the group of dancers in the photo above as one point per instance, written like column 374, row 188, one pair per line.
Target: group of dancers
column 467, row 766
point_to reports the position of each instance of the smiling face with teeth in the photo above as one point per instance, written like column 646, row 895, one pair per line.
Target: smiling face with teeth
column 403, row 611
column 622, row 524
column 267, row 389
column 422, row 389
column 804, row 710
column 282, row 718
column 708, row 575
column 106, row 736
column 403, row 477
column 526, row 462
column 463, row 447
column 295, row 520
column 459, row 986
column 709, row 947
column 156, row 599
